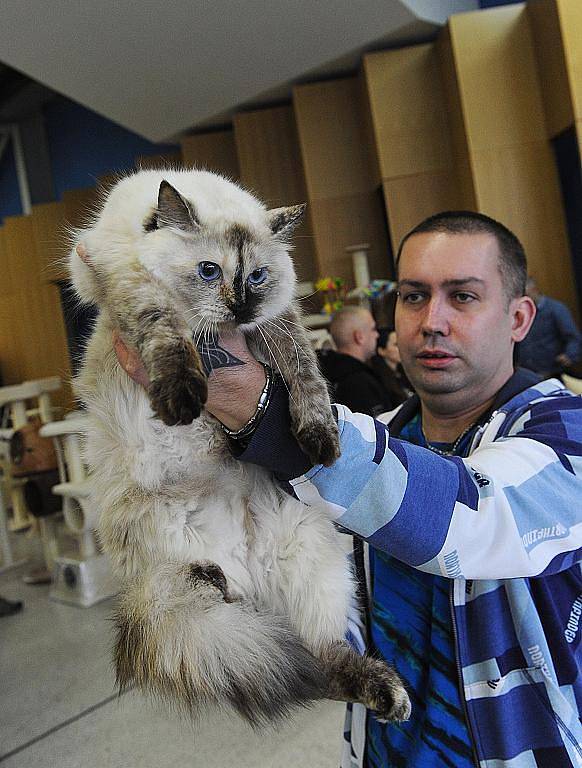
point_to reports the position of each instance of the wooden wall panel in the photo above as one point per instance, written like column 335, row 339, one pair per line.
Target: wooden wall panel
column 213, row 152
column 270, row 165
column 519, row 186
column 12, row 364
column 32, row 329
column 346, row 207
column 269, row 156
column 343, row 221
column 509, row 171
column 570, row 14
column 410, row 199
column 453, row 101
column 497, row 78
column 550, row 57
column 49, row 233
column 408, row 110
column 6, row 285
column 22, row 262
column 336, row 157
column 155, row 162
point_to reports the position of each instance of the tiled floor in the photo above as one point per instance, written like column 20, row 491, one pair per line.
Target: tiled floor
column 58, row 706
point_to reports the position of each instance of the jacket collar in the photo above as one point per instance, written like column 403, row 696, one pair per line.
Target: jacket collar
column 521, row 380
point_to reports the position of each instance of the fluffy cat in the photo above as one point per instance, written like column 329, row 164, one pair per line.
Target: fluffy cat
column 233, row 592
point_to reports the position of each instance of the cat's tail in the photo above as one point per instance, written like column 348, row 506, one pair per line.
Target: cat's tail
column 179, row 638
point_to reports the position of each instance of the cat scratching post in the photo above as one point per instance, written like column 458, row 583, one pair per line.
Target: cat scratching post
column 359, row 254
column 86, row 579
column 15, row 399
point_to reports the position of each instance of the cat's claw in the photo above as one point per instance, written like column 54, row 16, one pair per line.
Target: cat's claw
column 391, row 706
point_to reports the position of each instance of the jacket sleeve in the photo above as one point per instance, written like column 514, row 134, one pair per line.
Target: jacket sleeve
column 512, row 509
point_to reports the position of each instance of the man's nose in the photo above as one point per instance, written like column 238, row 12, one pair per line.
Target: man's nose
column 435, row 319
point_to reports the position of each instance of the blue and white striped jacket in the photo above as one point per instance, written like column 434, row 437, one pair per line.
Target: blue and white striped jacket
column 506, row 525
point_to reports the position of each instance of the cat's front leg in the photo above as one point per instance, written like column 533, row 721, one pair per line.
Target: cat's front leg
column 149, row 321
column 285, row 344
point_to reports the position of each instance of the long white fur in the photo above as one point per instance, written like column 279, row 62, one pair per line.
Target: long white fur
column 174, row 495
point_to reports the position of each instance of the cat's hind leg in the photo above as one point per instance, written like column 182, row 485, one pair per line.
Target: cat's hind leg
column 310, row 581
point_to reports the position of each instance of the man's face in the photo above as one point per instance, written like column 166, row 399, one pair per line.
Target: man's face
column 455, row 328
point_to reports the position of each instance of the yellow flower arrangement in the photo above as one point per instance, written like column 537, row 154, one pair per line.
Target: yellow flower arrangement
column 334, row 293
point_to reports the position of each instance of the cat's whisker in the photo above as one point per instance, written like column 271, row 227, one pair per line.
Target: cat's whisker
column 290, row 322
column 272, row 356
column 303, row 298
column 285, row 331
column 195, row 333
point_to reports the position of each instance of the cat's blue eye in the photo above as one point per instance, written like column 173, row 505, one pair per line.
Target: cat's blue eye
column 257, row 276
column 208, row 270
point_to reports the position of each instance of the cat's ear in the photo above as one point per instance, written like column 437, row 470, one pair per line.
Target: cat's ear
column 173, row 211
column 284, row 220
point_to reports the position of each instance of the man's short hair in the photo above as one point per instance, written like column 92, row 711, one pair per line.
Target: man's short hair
column 512, row 260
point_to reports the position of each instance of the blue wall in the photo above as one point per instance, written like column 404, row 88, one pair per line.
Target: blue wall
column 9, row 197
column 82, row 145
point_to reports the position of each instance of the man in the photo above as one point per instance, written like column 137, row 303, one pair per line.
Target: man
column 347, row 368
column 470, row 502
column 553, row 343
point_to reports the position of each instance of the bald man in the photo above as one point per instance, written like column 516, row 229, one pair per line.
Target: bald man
column 353, row 381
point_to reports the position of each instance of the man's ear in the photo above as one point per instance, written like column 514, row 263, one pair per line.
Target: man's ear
column 358, row 336
column 523, row 311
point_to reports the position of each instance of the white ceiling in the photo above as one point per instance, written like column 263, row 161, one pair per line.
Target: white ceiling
column 162, row 69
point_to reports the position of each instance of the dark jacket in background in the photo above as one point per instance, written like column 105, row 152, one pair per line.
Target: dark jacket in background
column 553, row 333
column 358, row 385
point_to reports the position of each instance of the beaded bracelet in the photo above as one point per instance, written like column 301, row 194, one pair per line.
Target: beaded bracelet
column 253, row 422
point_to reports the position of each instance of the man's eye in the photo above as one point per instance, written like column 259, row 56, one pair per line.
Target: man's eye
column 464, row 298
column 412, row 298
column 258, row 276
column 208, row 270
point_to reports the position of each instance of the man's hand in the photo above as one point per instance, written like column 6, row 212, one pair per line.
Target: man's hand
column 563, row 360
column 130, row 361
column 233, row 389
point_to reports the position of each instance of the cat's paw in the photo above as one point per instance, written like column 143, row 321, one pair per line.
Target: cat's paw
column 320, row 441
column 179, row 390
column 385, row 694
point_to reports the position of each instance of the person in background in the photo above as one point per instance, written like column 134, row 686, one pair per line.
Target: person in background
column 353, row 381
column 388, row 365
column 554, row 343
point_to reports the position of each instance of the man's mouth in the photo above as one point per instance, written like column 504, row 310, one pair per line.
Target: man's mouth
column 435, row 358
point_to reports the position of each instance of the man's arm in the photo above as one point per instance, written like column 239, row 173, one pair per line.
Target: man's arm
column 510, row 510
